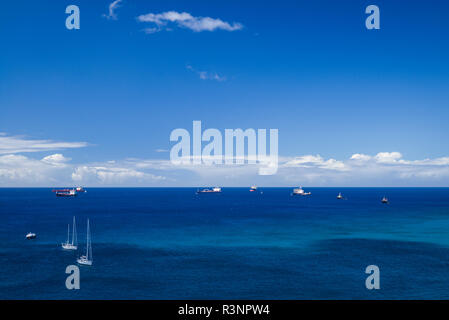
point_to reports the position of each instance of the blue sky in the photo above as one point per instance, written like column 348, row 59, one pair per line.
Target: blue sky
column 308, row 68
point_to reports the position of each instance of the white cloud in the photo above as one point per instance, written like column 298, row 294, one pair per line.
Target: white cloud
column 56, row 170
column 444, row 161
column 112, row 7
column 309, row 161
column 388, row 157
column 18, row 170
column 360, row 157
column 108, row 175
column 381, row 169
column 18, row 144
column 204, row 75
column 186, row 20
column 56, row 159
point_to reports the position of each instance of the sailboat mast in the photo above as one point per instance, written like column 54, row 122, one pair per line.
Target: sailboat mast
column 73, row 231
column 68, row 233
column 88, row 240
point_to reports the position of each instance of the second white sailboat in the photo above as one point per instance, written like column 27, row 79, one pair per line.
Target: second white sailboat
column 87, row 259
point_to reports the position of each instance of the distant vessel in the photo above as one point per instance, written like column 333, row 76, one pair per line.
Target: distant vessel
column 339, row 196
column 73, row 245
column 30, row 235
column 213, row 190
column 80, row 189
column 253, row 188
column 65, row 192
column 87, row 259
column 384, row 200
column 300, row 192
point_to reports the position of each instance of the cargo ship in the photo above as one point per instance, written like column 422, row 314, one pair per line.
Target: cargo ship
column 212, row 190
column 65, row 192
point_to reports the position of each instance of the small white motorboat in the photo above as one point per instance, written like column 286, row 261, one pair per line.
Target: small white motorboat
column 30, row 235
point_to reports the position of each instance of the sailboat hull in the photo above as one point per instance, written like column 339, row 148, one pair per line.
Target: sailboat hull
column 68, row 246
column 84, row 262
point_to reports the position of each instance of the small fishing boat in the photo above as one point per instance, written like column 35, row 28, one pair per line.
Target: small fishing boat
column 30, row 235
column 71, row 245
column 87, row 258
column 253, row 188
column 339, row 197
column 384, row 200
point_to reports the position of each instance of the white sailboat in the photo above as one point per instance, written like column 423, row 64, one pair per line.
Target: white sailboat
column 87, row 259
column 71, row 245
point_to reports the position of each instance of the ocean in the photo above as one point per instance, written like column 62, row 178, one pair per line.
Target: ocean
column 170, row 243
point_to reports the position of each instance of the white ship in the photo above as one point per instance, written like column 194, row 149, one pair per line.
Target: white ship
column 253, row 188
column 71, row 245
column 212, row 190
column 87, row 259
column 300, row 192
column 65, row 192
column 339, row 196
column 384, row 200
column 30, row 235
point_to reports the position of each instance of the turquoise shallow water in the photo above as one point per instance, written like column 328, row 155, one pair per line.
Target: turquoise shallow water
column 157, row 243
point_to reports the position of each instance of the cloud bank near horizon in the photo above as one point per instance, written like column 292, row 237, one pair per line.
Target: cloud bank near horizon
column 55, row 169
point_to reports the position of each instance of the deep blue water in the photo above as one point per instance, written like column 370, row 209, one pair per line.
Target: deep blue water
column 169, row 243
